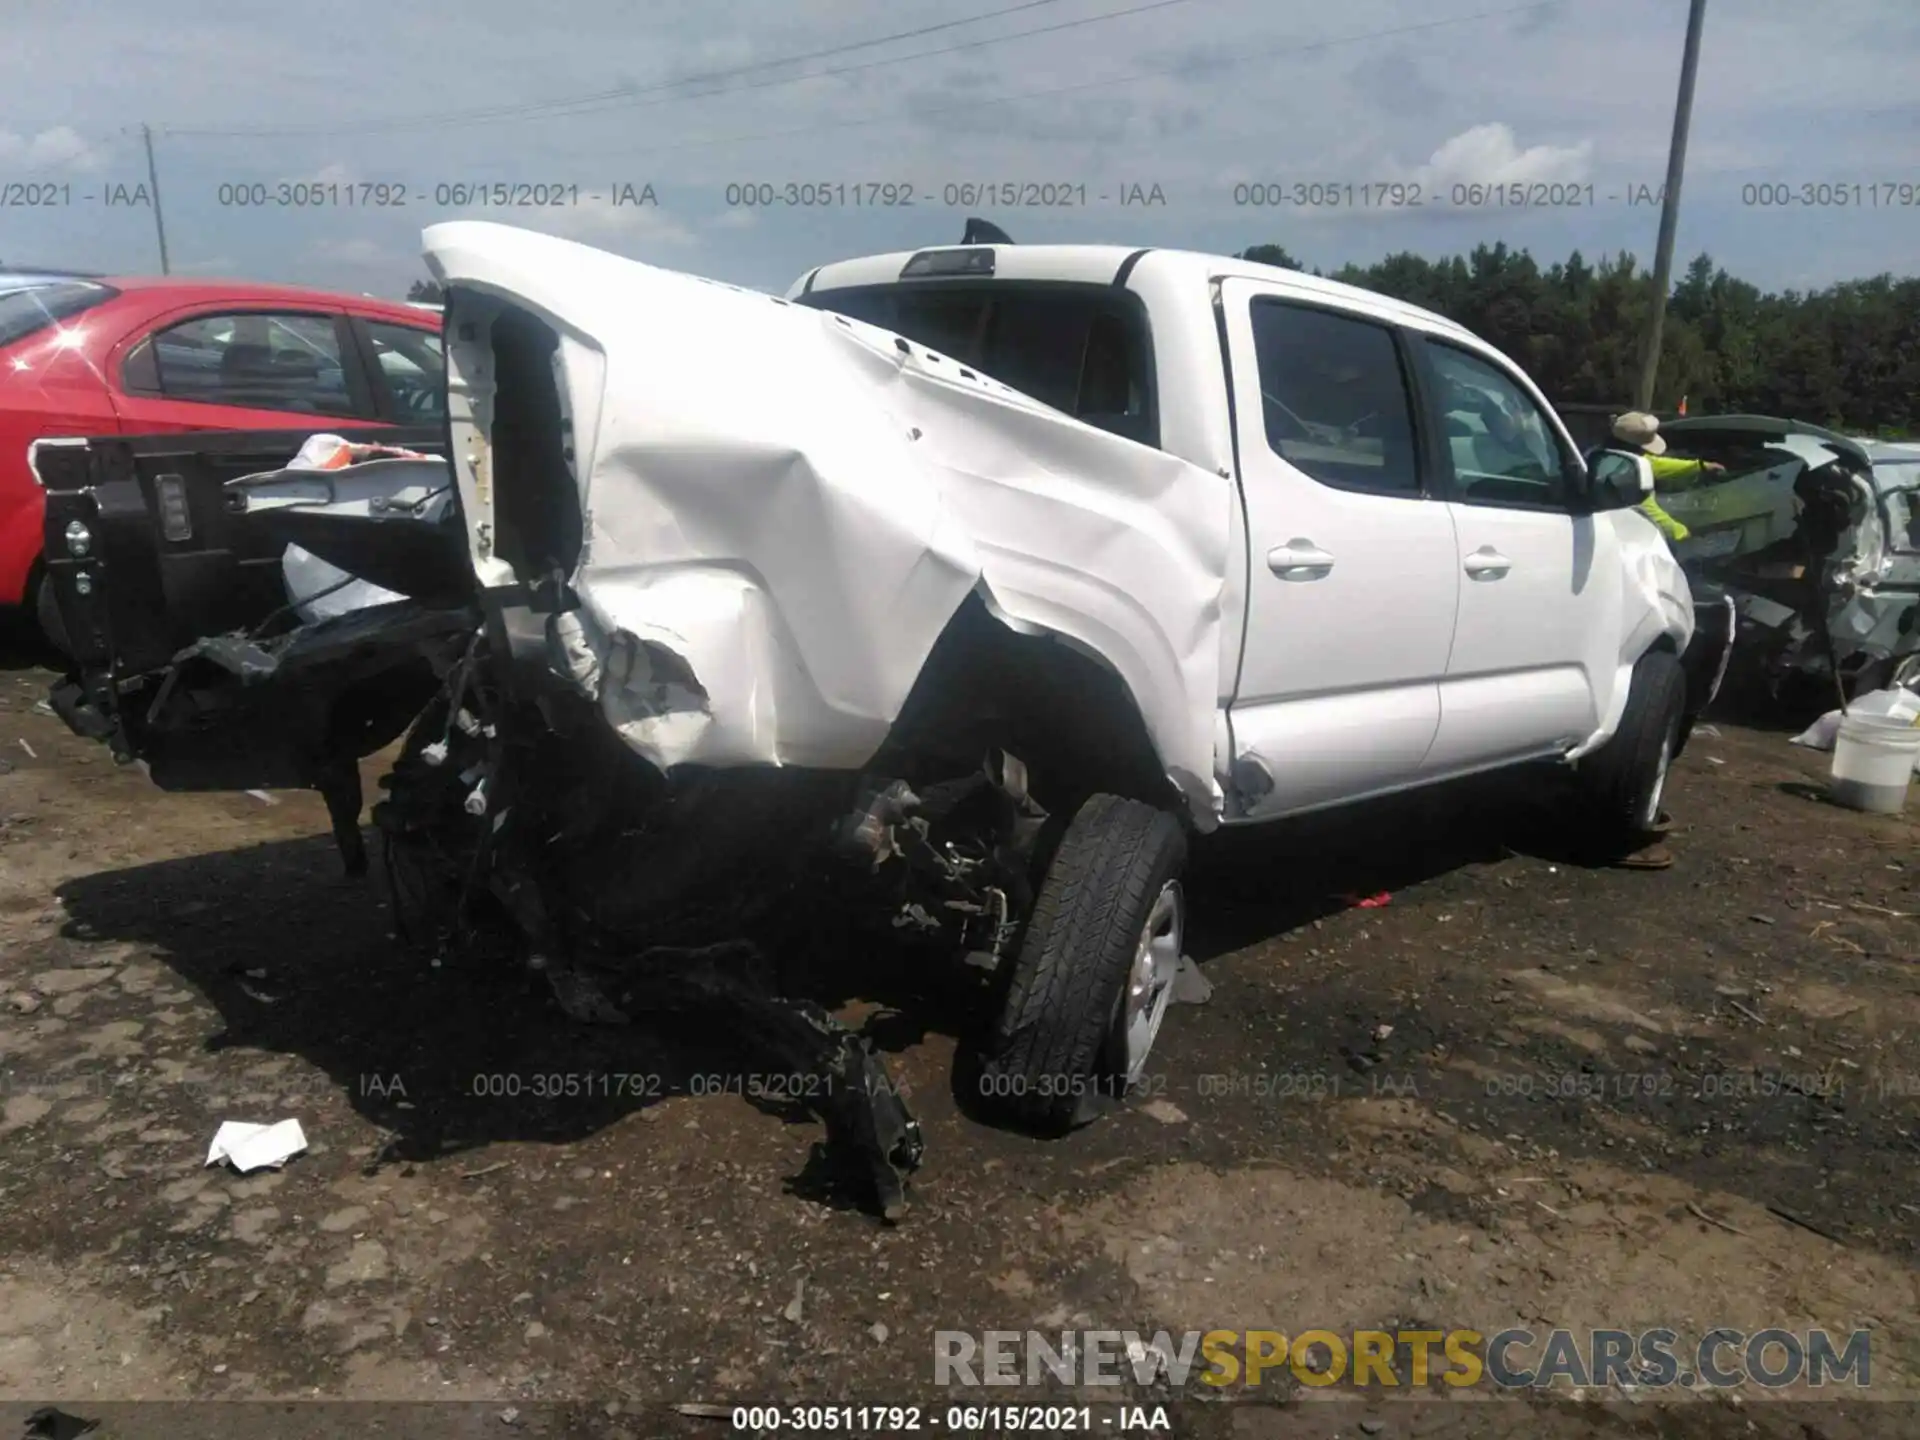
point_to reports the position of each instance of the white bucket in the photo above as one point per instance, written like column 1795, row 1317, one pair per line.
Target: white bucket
column 1873, row 763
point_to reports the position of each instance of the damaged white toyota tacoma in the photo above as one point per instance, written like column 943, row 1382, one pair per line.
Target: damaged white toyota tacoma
column 953, row 590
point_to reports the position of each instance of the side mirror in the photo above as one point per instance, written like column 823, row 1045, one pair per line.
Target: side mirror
column 1618, row 479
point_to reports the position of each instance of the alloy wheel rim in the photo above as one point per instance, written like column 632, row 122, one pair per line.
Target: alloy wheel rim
column 1149, row 985
column 1652, row 815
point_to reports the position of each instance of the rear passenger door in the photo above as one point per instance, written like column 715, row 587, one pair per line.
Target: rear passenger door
column 1537, row 574
column 1354, row 571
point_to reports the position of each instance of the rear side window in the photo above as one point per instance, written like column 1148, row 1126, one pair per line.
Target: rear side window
column 1082, row 349
column 1335, row 398
column 22, row 312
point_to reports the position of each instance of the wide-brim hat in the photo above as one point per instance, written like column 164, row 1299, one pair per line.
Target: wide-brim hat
column 1637, row 427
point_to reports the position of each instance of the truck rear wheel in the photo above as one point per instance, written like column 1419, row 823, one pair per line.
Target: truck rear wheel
column 1094, row 974
column 1623, row 782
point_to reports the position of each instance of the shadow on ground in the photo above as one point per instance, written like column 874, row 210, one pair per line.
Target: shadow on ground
column 301, row 962
column 444, row 1058
column 1250, row 885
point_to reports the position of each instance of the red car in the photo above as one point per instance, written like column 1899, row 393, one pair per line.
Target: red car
column 84, row 356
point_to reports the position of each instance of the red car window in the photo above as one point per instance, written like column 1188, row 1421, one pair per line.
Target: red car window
column 413, row 369
column 26, row 311
column 255, row 361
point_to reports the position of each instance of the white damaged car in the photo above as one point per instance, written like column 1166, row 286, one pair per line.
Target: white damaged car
column 960, row 585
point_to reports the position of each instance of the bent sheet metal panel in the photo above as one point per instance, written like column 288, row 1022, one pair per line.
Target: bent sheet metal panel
column 794, row 508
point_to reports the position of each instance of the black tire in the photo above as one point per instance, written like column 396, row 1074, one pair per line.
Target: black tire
column 46, row 611
column 1049, row 1064
column 1621, row 783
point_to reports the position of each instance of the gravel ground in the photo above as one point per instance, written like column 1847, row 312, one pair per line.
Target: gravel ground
column 1523, row 1092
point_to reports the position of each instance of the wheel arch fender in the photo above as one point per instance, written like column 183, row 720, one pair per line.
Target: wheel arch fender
column 1657, row 613
column 1078, row 712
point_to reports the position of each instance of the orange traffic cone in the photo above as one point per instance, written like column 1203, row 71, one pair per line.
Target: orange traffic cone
column 1683, row 405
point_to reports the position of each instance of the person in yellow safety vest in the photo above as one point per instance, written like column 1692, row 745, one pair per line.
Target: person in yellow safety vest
column 1640, row 431
column 1637, row 430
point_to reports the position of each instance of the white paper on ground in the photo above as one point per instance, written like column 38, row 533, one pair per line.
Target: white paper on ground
column 252, row 1147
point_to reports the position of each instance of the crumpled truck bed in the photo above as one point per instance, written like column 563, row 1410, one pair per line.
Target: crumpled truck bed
column 782, row 509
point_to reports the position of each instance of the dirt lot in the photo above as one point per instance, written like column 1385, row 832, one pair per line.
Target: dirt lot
column 1522, row 1093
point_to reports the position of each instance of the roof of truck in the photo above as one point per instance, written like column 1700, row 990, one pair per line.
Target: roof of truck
column 1106, row 264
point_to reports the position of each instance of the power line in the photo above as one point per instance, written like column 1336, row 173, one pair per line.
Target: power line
column 972, row 106
column 880, row 64
column 617, row 97
column 626, row 99
column 620, row 93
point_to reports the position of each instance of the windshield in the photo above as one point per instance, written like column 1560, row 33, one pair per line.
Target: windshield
column 22, row 312
column 1083, row 349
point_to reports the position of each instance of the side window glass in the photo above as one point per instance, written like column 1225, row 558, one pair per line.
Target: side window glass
column 1503, row 450
column 140, row 372
column 1114, row 380
column 1335, row 398
column 413, row 369
column 947, row 324
column 285, row 362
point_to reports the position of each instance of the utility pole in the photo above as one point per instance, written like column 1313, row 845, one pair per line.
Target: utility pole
column 1670, row 206
column 153, row 181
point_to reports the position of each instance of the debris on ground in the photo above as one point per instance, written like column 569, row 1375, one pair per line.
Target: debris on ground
column 1190, row 987
column 248, row 1146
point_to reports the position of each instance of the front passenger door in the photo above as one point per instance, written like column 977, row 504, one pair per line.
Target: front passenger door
column 1537, row 574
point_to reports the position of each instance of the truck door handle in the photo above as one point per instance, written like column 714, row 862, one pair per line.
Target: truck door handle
column 1299, row 560
column 1487, row 563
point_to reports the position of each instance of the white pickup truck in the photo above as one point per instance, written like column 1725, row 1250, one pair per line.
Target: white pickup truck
column 996, row 569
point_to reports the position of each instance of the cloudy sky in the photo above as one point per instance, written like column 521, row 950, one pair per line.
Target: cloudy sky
column 1335, row 116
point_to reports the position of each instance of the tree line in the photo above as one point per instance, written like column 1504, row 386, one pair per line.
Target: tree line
column 1847, row 357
